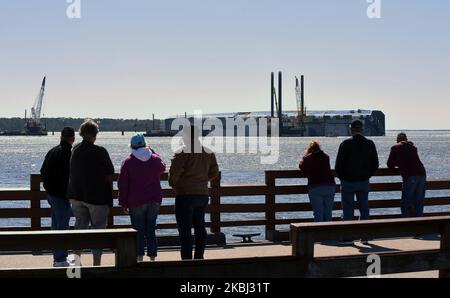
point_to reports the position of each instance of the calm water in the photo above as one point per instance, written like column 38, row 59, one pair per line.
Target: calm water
column 21, row 156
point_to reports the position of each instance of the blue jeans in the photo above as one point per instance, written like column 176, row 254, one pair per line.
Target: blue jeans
column 190, row 212
column 143, row 220
column 322, row 202
column 413, row 194
column 61, row 213
column 348, row 191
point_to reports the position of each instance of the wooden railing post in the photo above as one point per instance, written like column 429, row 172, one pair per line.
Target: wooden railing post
column 126, row 252
column 35, row 203
column 302, row 244
column 445, row 246
column 302, row 247
column 215, row 205
column 270, row 204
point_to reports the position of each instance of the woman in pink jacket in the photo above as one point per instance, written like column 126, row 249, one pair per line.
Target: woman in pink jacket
column 140, row 193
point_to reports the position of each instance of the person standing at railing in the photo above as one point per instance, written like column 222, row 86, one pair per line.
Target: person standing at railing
column 140, row 193
column 55, row 175
column 356, row 162
column 321, row 185
column 90, row 183
column 404, row 156
column 191, row 169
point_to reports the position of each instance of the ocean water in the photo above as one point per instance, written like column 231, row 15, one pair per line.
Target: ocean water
column 21, row 156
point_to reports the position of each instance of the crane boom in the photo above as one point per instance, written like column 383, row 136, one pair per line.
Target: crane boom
column 275, row 100
column 37, row 108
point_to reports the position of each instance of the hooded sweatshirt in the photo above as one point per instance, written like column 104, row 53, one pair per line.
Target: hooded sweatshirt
column 143, row 154
column 316, row 166
column 139, row 179
column 404, row 156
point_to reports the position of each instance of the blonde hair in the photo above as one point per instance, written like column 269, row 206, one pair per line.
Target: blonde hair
column 89, row 129
column 313, row 146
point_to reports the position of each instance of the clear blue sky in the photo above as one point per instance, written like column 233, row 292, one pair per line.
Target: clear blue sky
column 129, row 59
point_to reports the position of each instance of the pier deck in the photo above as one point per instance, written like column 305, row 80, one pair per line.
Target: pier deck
column 270, row 258
column 257, row 249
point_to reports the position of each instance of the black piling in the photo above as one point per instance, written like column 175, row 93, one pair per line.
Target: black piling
column 272, row 95
column 280, row 99
column 302, row 90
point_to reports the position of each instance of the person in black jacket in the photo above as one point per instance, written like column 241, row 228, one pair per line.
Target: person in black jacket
column 55, row 174
column 90, row 184
column 356, row 162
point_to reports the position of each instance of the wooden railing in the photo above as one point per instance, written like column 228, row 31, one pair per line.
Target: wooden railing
column 270, row 207
column 121, row 241
column 305, row 235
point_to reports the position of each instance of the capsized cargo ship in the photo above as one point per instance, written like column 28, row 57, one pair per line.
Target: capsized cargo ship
column 315, row 123
column 297, row 123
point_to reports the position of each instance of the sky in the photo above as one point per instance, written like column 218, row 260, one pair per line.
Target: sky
column 135, row 58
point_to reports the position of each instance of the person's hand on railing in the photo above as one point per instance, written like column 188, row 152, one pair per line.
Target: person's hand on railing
column 126, row 210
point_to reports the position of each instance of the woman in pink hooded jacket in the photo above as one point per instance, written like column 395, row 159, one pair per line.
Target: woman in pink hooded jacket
column 140, row 193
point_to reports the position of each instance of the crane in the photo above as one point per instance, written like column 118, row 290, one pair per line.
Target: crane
column 274, row 91
column 299, row 97
column 33, row 125
column 37, row 108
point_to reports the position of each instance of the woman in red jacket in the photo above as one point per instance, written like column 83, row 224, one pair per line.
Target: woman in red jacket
column 321, row 185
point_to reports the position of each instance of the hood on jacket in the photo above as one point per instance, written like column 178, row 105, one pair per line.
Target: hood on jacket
column 143, row 154
column 407, row 143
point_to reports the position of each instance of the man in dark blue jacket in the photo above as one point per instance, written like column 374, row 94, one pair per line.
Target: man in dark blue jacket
column 55, row 174
column 356, row 163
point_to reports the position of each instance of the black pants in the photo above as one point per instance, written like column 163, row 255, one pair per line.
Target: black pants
column 190, row 212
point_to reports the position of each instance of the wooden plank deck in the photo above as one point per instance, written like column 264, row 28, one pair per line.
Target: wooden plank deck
column 257, row 249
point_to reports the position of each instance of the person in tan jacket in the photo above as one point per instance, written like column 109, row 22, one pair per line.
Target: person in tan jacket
column 191, row 169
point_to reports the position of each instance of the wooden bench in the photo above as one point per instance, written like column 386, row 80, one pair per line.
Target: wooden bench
column 247, row 238
column 305, row 235
column 302, row 262
column 122, row 241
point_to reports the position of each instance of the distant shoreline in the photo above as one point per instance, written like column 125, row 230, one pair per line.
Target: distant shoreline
column 106, row 124
column 437, row 129
column 116, row 125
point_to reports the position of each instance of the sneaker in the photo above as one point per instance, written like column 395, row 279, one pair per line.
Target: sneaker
column 72, row 260
column 152, row 259
column 61, row 264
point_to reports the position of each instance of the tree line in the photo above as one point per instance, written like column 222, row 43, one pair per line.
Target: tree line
column 106, row 124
